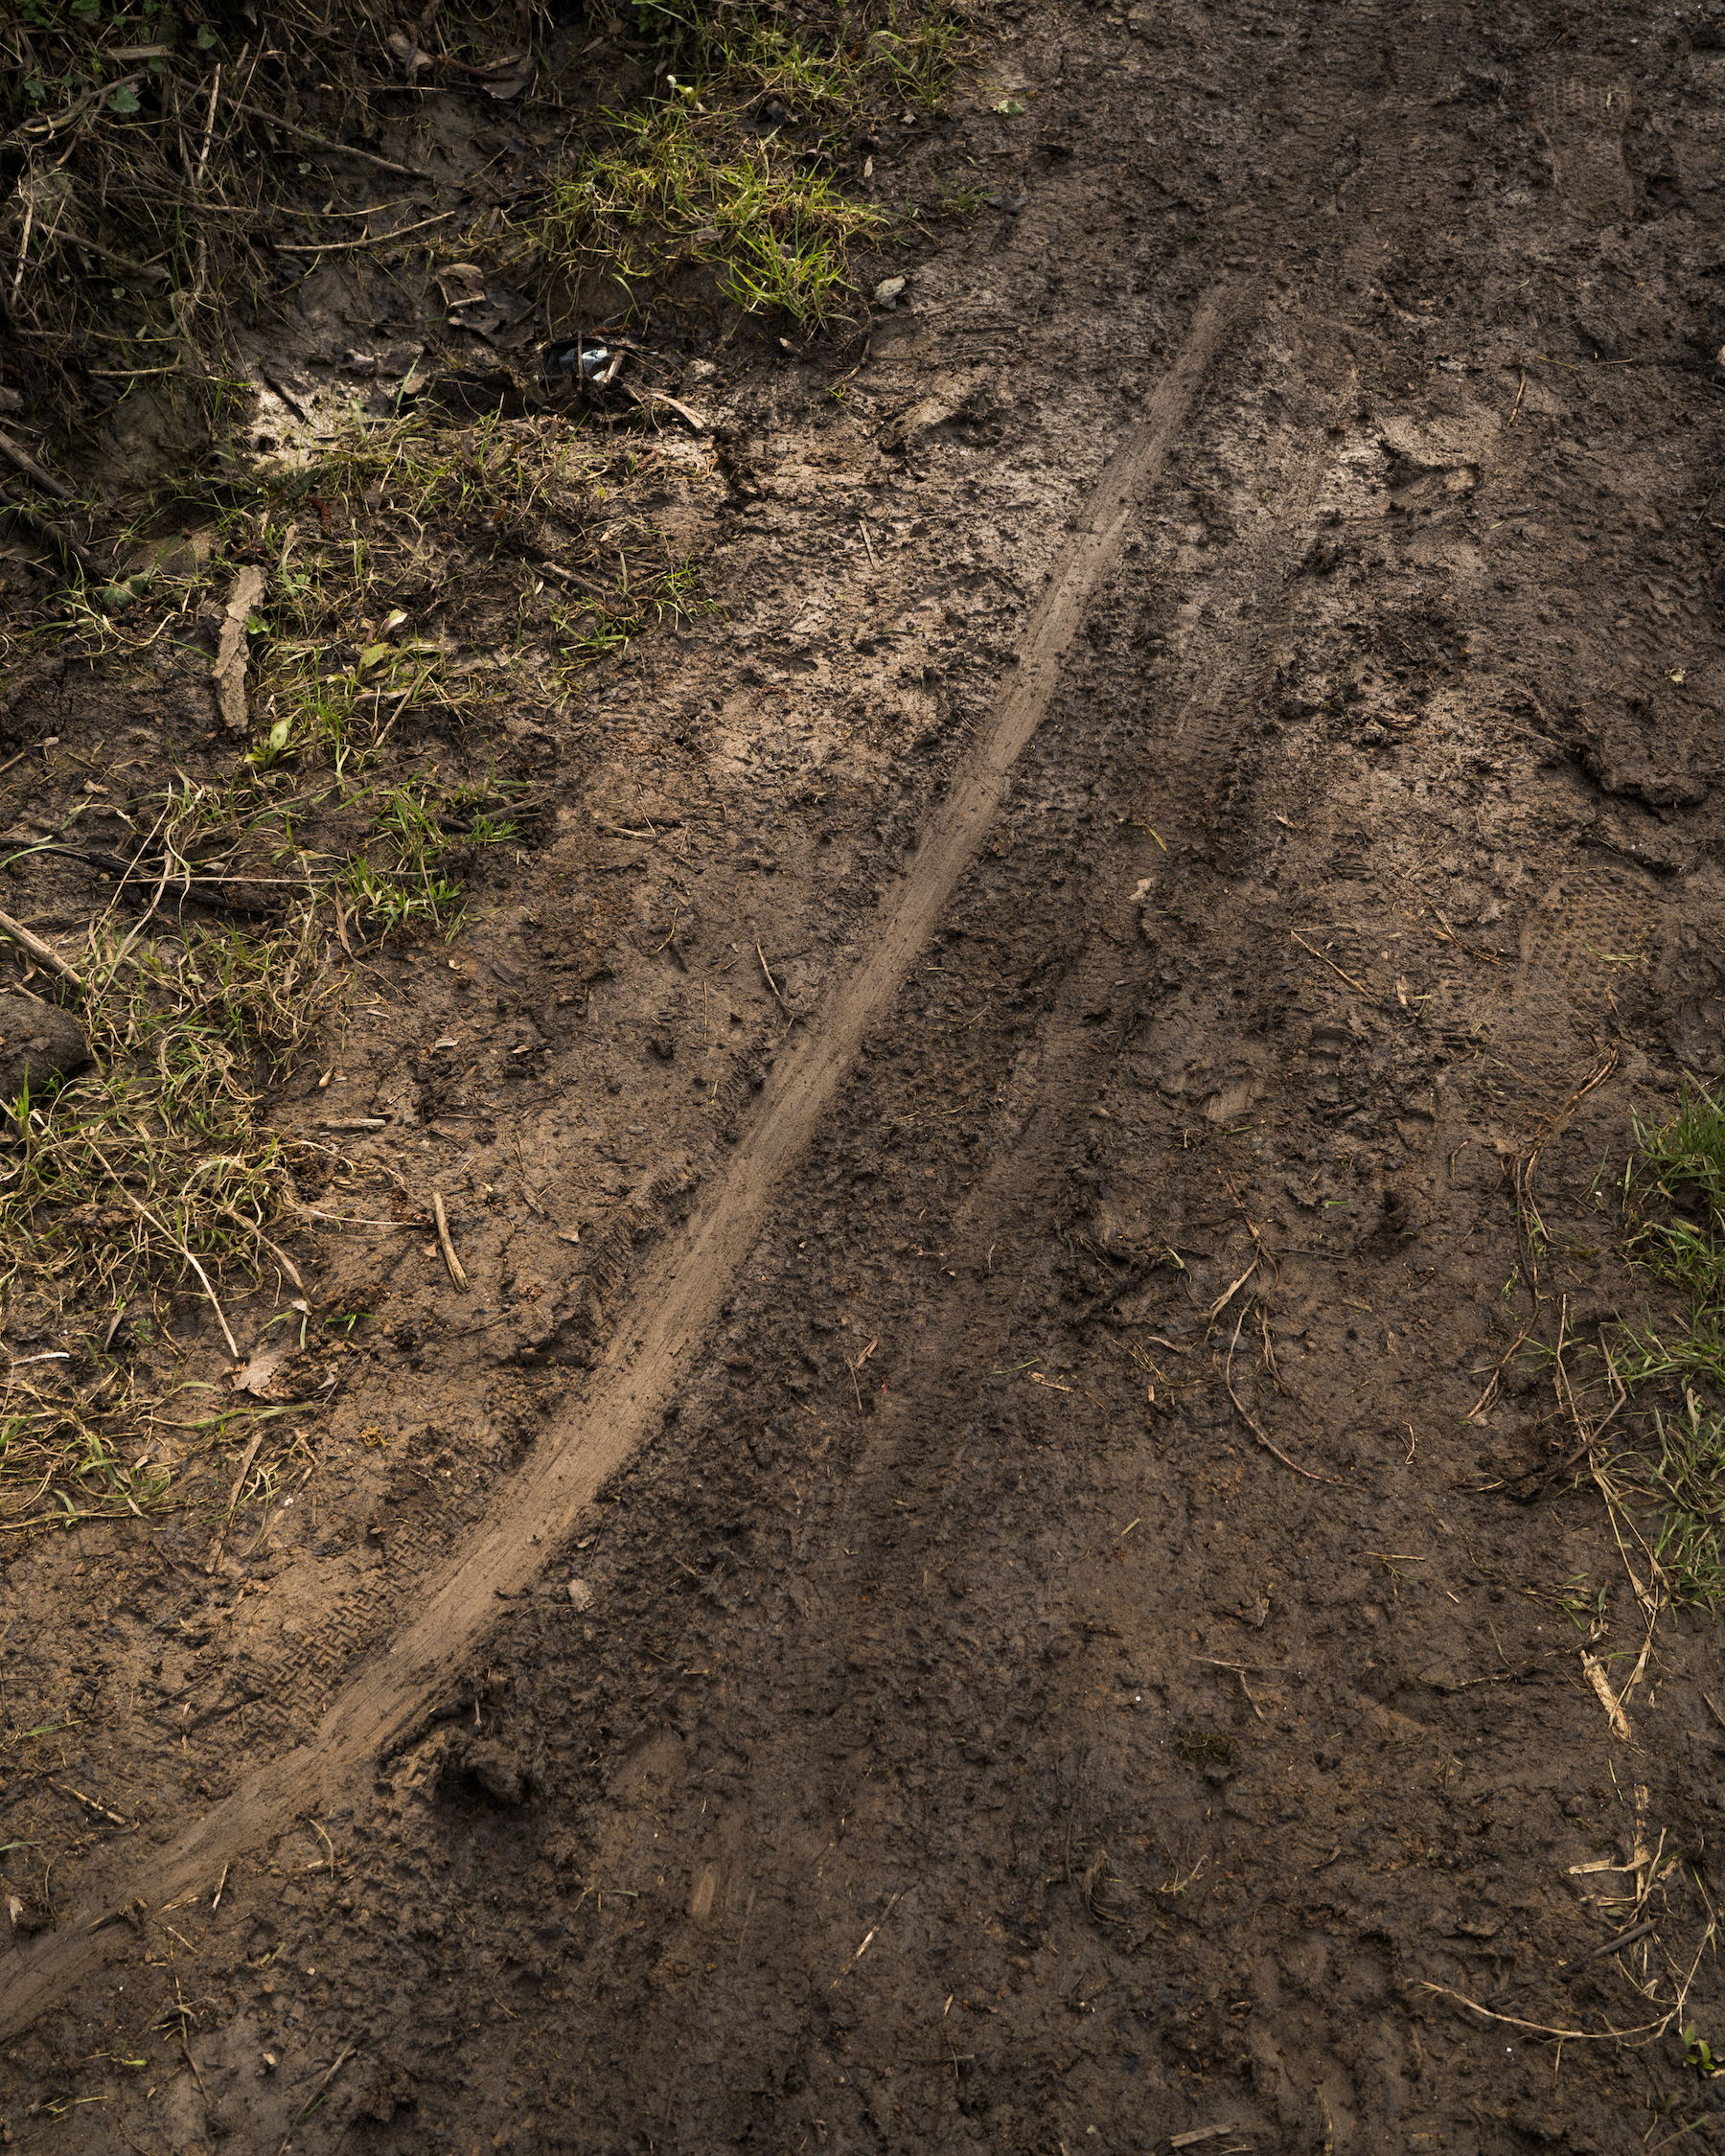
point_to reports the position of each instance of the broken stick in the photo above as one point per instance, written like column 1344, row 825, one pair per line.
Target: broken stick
column 453, row 1263
column 28, row 467
column 43, row 952
column 1256, row 1429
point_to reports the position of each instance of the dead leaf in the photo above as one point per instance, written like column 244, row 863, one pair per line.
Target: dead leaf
column 510, row 80
column 407, row 47
column 461, row 283
column 258, row 1373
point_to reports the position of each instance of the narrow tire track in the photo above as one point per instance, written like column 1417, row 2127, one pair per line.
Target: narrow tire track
column 650, row 1360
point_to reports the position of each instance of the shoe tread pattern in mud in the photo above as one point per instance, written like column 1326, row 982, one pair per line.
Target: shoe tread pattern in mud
column 1583, row 115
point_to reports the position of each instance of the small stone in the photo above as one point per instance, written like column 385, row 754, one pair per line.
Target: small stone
column 580, row 1595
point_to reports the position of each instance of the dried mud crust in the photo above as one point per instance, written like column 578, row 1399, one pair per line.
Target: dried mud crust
column 953, row 1726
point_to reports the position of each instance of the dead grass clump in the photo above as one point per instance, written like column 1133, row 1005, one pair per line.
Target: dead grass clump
column 154, row 154
column 413, row 564
column 149, row 1177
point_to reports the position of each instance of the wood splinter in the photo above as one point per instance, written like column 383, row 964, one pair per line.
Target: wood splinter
column 453, row 1263
column 767, row 972
column 45, row 954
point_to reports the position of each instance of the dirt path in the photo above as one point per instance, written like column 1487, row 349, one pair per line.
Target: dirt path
column 1056, row 1655
column 644, row 1372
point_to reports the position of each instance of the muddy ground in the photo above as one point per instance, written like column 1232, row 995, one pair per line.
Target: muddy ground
column 975, row 1568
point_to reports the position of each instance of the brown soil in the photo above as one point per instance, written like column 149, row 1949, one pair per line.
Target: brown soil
column 992, row 1598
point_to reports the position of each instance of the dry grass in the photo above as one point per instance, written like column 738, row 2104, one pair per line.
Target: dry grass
column 152, row 1174
column 153, row 156
column 404, row 597
column 414, row 561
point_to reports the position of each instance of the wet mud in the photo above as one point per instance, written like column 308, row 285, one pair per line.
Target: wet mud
column 986, row 1561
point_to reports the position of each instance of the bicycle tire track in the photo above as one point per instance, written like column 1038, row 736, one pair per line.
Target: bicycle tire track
column 381, row 1703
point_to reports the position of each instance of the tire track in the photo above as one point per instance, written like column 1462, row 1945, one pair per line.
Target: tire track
column 648, row 1361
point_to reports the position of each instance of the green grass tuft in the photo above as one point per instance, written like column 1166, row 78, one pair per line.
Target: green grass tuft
column 733, row 175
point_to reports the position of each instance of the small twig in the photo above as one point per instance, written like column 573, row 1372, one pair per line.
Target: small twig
column 341, row 2059
column 1246, row 1689
column 1256, row 1430
column 767, row 970
column 1567, row 2036
column 190, row 2061
column 275, row 1249
column 862, row 527
column 1566, row 1391
column 214, row 1557
column 221, row 1889
column 144, row 1213
column 1526, row 1179
column 1228, row 1294
column 1269, row 1362
column 370, row 239
column 1623, row 1938
column 340, row 149
column 1528, row 1169
column 32, row 518
column 156, row 899
column 1360, row 985
column 23, row 248
column 405, row 698
column 287, row 396
column 863, row 1948
column 854, row 1367
column 66, row 1790
column 203, row 156
column 45, row 954
column 153, row 271
column 28, row 467
column 453, row 1263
